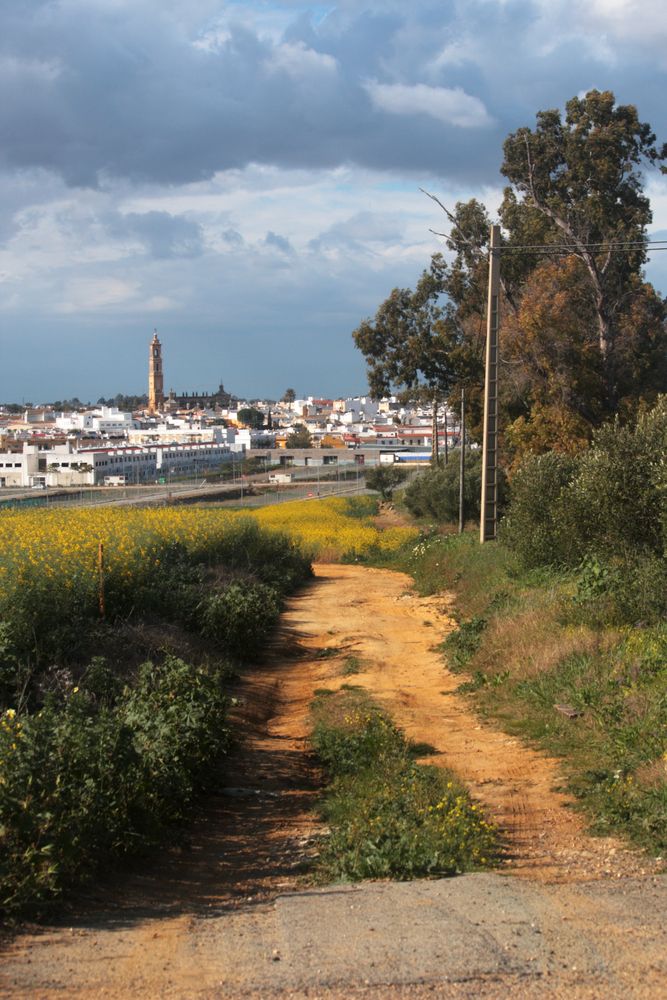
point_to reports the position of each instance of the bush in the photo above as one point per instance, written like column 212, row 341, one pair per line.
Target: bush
column 239, row 617
column 629, row 590
column 435, row 494
column 609, row 502
column 461, row 645
column 532, row 527
column 102, row 773
column 616, row 501
column 384, row 479
column 158, row 564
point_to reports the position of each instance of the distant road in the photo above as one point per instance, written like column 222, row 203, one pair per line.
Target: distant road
column 184, row 492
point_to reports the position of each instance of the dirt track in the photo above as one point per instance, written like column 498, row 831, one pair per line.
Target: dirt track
column 221, row 917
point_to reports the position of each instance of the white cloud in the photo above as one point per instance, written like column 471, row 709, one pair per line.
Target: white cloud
column 300, row 62
column 94, row 294
column 450, row 105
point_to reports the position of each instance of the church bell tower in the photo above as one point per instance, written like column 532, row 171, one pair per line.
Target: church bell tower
column 155, row 376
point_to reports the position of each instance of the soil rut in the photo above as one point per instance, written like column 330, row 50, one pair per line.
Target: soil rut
column 376, row 616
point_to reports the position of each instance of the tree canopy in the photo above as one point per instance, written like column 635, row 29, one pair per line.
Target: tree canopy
column 299, row 437
column 251, row 417
column 583, row 335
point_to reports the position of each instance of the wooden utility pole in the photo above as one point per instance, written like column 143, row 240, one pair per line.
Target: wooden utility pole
column 489, row 512
column 100, row 577
column 462, row 464
column 435, row 450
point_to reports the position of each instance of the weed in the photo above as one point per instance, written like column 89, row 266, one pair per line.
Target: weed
column 352, row 665
column 388, row 816
column 327, row 653
column 460, row 645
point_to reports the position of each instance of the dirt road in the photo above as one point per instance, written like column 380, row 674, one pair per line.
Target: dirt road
column 227, row 915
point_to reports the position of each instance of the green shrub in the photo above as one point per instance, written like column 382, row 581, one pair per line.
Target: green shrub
column 385, row 479
column 461, row 645
column 614, row 502
column 361, row 507
column 102, row 773
column 532, row 527
column 627, row 590
column 435, row 493
column 239, row 617
column 407, row 822
column 609, row 502
column 363, row 734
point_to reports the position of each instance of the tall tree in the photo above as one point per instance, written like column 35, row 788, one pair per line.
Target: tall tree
column 583, row 334
column 582, row 176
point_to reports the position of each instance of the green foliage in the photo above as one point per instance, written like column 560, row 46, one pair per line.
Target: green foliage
column 355, row 732
column 460, row 645
column 251, row 417
column 552, row 638
column 385, row 479
column 617, row 747
column 361, row 507
column 102, row 773
column 583, row 333
column 43, row 623
column 616, row 499
column 418, row 343
column 620, row 591
column 435, row 493
column 531, row 526
column 606, row 511
column 299, row 437
column 581, row 175
column 239, row 617
column 388, row 816
column 101, row 766
column 351, row 665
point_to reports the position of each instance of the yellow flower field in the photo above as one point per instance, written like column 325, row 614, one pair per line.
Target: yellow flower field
column 326, row 528
column 60, row 547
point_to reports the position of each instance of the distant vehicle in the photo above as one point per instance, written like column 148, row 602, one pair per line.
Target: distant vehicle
column 280, row 477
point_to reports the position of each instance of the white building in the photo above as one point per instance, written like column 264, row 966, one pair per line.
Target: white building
column 107, row 420
column 65, row 466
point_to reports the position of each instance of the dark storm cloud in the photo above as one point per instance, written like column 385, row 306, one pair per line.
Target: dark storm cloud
column 128, row 90
column 123, row 91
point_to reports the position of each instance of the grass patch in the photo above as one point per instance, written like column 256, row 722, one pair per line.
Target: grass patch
column 352, row 665
column 532, row 640
column 461, row 645
column 390, row 817
column 327, row 653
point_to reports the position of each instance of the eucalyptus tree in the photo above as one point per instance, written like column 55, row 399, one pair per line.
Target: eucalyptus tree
column 577, row 186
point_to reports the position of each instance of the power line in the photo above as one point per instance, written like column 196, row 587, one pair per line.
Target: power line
column 617, row 247
column 610, row 246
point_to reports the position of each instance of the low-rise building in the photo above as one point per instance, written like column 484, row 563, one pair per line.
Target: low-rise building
column 66, row 466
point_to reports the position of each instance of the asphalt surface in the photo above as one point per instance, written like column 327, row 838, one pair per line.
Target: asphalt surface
column 475, row 932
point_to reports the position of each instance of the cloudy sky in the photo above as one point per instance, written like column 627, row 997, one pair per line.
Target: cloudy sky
column 245, row 176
